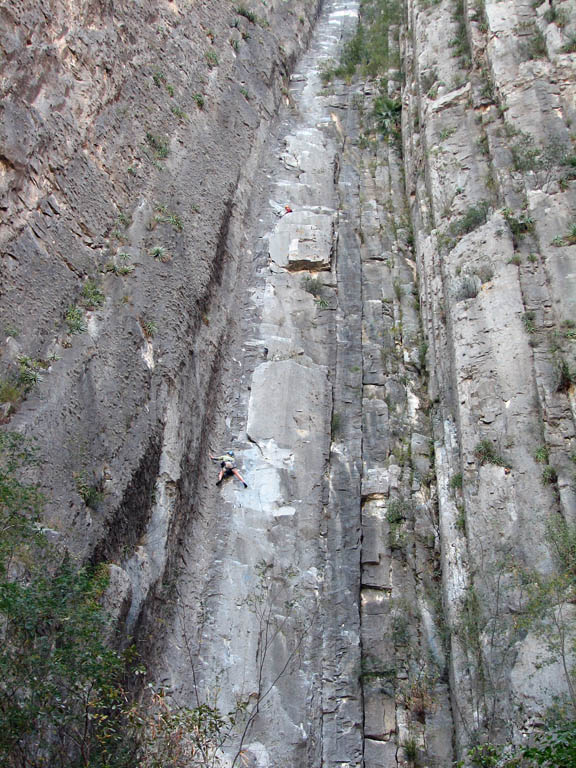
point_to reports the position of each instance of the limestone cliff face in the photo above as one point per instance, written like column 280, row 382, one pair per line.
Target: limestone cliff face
column 489, row 153
column 392, row 361
column 130, row 133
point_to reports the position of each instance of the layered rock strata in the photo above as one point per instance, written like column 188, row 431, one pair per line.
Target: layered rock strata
column 130, row 136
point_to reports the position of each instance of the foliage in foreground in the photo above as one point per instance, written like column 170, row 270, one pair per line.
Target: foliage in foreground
column 554, row 747
column 63, row 695
column 545, row 612
column 59, row 680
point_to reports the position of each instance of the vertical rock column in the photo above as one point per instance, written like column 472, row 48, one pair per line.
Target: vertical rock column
column 407, row 713
column 278, row 586
column 487, row 109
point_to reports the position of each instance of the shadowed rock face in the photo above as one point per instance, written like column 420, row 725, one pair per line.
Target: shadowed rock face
column 391, row 356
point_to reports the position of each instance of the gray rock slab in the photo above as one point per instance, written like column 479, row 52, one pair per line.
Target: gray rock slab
column 303, row 241
column 375, row 481
column 379, row 754
column 537, row 676
column 379, row 716
column 281, row 392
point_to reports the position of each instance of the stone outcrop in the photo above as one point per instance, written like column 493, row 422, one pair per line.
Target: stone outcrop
column 130, row 137
column 486, row 132
column 382, row 327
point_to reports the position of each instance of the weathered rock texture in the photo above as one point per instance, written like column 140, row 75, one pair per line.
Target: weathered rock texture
column 130, row 135
column 498, row 321
column 392, row 360
column 279, row 621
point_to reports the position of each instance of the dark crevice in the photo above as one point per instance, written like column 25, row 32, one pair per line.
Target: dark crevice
column 128, row 523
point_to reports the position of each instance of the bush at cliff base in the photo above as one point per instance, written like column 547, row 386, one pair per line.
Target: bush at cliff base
column 554, row 747
column 60, row 683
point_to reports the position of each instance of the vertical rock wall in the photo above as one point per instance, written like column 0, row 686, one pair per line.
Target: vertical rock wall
column 274, row 621
column 130, row 134
column 488, row 106
column 392, row 360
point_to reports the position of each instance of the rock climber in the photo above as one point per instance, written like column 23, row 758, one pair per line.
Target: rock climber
column 279, row 209
column 228, row 467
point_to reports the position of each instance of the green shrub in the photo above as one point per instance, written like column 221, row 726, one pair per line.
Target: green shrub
column 388, row 113
column 312, row 285
column 241, row 10
column 398, row 510
column 461, row 519
column 91, row 297
column 159, row 252
column 519, row 224
column 352, row 53
column 410, row 748
column 397, row 513
column 74, row 319
column 456, row 481
column 122, row 270
column 198, row 98
column 556, row 16
column 541, row 455
column 422, row 356
column 525, row 155
column 169, row 217
column 485, row 272
column 555, row 745
column 564, row 376
column 327, row 72
column 474, row 217
column 29, row 372
column 178, row 112
column 90, row 494
column 485, row 453
column 554, row 161
column 150, row 328
column 459, row 42
column 10, row 392
column 211, row 59
column 528, row 320
column 568, row 239
column 549, row 475
column 486, row 756
column 159, row 145
column 570, row 46
column 468, row 288
column 535, row 46
column 562, row 538
column 480, row 16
